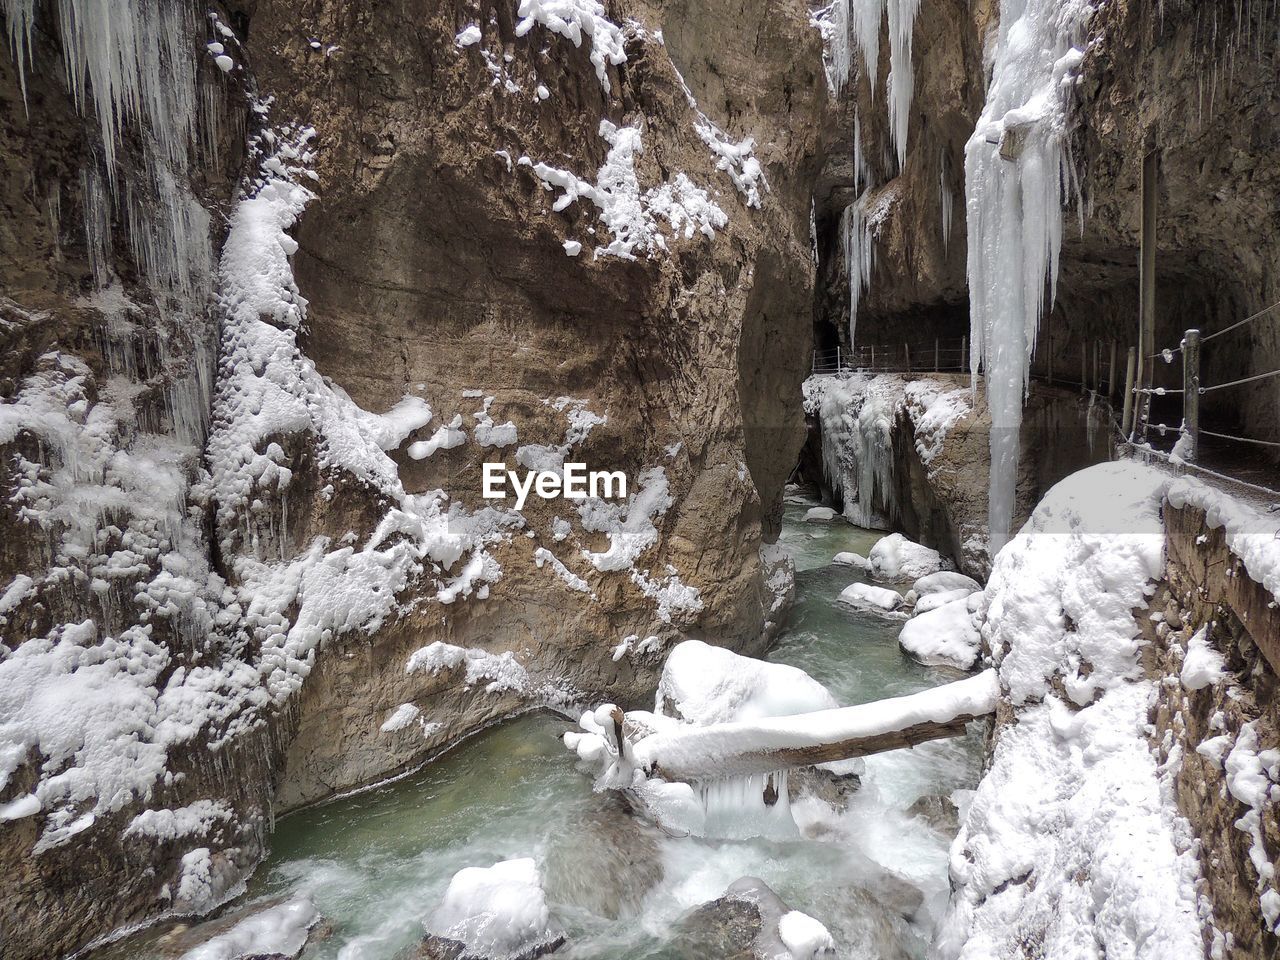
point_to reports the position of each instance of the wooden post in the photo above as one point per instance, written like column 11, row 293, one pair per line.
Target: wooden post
column 837, row 358
column 1097, row 350
column 1147, row 286
column 906, row 353
column 1111, row 372
column 964, row 354
column 1126, row 422
column 873, row 357
column 1191, row 393
column 1049, row 350
column 1084, row 366
column 937, row 355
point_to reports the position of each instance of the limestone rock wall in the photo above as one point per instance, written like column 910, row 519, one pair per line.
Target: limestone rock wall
column 432, row 270
column 1208, row 594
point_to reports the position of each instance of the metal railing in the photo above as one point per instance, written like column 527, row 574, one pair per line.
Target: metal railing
column 1137, row 409
column 1087, row 364
column 925, row 356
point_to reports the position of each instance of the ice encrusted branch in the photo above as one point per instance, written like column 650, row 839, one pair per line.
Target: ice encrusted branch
column 633, row 215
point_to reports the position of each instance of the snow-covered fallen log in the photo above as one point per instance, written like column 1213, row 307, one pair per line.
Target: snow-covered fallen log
column 742, row 748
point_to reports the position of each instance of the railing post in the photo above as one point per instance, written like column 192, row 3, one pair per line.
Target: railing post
column 906, row 353
column 837, row 358
column 1097, row 350
column 873, row 357
column 1111, row 372
column 1049, row 352
column 964, row 354
column 1191, row 393
column 1126, row 422
column 937, row 355
column 1149, row 196
column 1084, row 365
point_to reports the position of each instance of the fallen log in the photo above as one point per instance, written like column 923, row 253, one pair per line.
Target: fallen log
column 760, row 746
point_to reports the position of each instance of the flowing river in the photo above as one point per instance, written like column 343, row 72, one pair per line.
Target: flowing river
column 376, row 863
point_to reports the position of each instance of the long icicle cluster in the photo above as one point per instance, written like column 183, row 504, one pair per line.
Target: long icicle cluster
column 1016, row 182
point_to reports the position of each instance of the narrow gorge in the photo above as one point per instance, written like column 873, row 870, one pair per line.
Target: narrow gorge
column 639, row 480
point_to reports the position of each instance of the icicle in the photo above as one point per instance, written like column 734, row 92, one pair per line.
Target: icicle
column 946, row 198
column 1015, row 189
column 20, row 16
column 857, row 242
column 861, row 175
column 865, row 19
column 97, row 226
column 746, row 807
column 902, row 19
column 839, row 52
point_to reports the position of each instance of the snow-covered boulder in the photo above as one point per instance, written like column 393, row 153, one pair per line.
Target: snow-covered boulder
column 942, row 581
column 703, row 684
column 945, row 635
column 497, row 913
column 846, row 559
column 820, row 515
column 896, row 558
column 278, row 931
column 865, row 596
column 804, row 937
column 933, row 601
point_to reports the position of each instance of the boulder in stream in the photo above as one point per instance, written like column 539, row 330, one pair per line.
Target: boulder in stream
column 750, row 922
column 607, row 863
column 492, row 913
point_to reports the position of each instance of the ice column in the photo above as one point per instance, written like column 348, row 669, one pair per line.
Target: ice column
column 1015, row 187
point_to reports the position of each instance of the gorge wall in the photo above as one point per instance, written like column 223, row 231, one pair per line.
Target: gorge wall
column 276, row 281
column 1195, row 83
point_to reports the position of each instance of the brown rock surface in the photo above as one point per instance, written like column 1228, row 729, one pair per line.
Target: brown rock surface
column 427, row 261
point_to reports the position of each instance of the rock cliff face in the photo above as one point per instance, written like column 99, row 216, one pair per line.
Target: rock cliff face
column 526, row 249
column 1196, row 84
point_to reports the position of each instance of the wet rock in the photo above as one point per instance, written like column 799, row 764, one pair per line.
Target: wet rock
column 279, row 928
column 724, row 929
column 442, row 948
column 939, row 812
column 439, row 948
column 744, row 924
column 607, row 863
column 833, row 789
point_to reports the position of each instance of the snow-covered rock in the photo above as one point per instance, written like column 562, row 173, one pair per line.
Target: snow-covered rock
column 944, row 580
column 896, row 558
column 945, row 634
column 819, row 515
column 498, row 912
column 703, row 684
column 805, row 937
column 279, row 931
column 933, row 601
column 865, row 596
column 1203, row 666
column 847, row 559
column 751, row 920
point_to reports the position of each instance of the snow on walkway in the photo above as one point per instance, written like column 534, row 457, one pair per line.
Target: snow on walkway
column 1073, row 842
